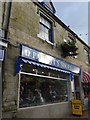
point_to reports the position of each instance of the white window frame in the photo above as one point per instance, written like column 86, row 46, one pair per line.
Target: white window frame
column 49, row 27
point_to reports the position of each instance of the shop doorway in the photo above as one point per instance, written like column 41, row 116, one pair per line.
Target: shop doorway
column 77, row 87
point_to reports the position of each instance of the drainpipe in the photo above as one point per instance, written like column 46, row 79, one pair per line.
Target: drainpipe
column 7, row 20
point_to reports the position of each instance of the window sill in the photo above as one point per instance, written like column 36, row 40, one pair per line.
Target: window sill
column 45, row 40
column 45, row 105
column 50, row 42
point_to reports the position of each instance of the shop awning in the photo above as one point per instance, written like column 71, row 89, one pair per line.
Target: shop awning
column 26, row 61
column 86, row 77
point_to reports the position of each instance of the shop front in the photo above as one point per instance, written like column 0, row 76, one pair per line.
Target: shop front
column 86, row 88
column 46, row 84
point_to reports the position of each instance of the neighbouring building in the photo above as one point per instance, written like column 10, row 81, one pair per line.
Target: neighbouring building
column 3, row 46
column 46, row 64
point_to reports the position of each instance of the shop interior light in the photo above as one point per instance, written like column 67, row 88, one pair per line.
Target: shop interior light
column 42, row 72
column 34, row 70
column 21, row 65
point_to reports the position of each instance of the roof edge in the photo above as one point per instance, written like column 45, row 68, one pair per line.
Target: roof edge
column 61, row 23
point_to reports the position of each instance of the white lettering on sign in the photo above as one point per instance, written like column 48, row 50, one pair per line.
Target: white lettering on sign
column 35, row 55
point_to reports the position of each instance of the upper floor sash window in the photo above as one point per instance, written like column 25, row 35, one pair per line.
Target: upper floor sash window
column 45, row 29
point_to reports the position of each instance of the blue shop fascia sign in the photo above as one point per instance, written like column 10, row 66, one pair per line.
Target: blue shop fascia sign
column 40, row 57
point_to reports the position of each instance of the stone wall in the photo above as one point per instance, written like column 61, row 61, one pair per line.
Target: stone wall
column 23, row 29
column 10, row 79
column 0, row 14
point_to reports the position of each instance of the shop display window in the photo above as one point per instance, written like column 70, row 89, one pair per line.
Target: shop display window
column 28, row 68
column 86, row 89
column 36, row 91
column 42, row 71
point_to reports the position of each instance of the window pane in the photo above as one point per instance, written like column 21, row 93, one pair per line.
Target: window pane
column 41, row 31
column 42, row 20
column 46, row 30
column 38, row 90
column 45, row 22
column 42, row 27
column 46, row 36
column 45, row 26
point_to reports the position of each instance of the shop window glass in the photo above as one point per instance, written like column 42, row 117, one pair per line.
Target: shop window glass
column 54, row 73
column 42, row 71
column 28, row 68
column 36, row 91
column 86, row 89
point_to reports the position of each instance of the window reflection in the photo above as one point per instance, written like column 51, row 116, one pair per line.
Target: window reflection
column 37, row 91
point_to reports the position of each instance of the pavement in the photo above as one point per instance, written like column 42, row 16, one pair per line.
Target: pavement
column 86, row 114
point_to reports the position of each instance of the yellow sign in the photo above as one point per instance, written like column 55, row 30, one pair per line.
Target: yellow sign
column 76, row 107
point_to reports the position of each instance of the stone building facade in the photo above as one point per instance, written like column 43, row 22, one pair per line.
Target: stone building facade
column 24, row 30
